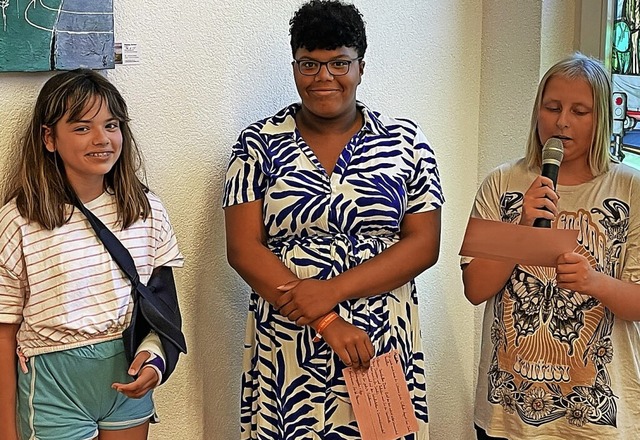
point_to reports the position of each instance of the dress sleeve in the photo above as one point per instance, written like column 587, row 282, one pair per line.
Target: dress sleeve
column 245, row 181
column 424, row 190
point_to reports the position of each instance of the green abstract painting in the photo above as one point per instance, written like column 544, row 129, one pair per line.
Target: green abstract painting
column 40, row 35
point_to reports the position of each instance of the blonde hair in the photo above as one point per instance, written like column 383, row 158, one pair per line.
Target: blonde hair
column 579, row 66
column 38, row 182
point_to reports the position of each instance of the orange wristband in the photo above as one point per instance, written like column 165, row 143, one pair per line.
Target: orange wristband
column 324, row 323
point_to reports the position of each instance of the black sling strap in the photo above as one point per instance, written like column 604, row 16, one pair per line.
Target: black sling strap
column 155, row 306
column 120, row 254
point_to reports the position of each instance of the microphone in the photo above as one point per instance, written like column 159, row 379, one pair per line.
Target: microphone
column 552, row 154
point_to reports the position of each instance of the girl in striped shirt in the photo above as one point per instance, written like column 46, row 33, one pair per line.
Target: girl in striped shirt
column 63, row 301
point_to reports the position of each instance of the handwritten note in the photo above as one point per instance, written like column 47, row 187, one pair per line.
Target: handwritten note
column 380, row 399
column 515, row 243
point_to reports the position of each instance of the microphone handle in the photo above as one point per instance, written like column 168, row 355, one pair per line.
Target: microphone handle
column 542, row 223
column 549, row 170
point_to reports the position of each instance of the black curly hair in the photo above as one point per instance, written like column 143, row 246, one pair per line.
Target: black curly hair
column 327, row 24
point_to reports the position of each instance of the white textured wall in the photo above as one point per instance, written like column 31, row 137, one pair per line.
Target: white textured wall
column 560, row 20
column 510, row 69
column 466, row 70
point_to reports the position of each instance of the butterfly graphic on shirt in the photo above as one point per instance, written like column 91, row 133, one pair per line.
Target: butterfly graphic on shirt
column 541, row 303
column 599, row 397
column 595, row 395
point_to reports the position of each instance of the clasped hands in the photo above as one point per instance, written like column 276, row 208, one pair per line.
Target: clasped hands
column 305, row 301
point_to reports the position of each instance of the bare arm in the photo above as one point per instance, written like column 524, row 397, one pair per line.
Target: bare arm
column 621, row 297
column 483, row 279
column 417, row 250
column 8, row 386
column 248, row 254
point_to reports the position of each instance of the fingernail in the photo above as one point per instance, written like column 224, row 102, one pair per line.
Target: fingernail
column 132, row 371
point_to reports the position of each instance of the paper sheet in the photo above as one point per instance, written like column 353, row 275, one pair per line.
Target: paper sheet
column 380, row 399
column 516, row 243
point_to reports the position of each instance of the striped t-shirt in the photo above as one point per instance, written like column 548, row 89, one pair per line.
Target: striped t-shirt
column 63, row 286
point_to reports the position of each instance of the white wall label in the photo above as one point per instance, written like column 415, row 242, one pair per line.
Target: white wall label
column 127, row 53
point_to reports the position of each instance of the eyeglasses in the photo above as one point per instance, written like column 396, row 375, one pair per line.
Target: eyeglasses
column 335, row 67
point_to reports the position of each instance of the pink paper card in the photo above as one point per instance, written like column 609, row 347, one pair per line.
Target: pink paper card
column 516, row 243
column 380, row 399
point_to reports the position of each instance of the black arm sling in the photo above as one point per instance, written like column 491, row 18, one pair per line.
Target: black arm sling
column 155, row 306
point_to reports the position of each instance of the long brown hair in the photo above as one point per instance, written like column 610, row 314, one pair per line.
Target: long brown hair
column 37, row 180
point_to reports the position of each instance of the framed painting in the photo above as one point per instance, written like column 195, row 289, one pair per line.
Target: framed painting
column 41, row 35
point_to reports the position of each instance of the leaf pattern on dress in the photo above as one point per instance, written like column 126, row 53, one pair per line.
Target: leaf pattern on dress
column 320, row 226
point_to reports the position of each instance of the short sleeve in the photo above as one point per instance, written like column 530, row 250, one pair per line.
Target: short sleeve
column 167, row 252
column 13, row 287
column 486, row 204
column 424, row 190
column 630, row 270
column 245, row 181
column 12, row 296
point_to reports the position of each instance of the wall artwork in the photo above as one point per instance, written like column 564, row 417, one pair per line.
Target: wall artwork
column 625, row 69
column 41, row 35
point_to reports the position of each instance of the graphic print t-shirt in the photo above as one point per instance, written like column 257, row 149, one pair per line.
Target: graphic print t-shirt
column 556, row 363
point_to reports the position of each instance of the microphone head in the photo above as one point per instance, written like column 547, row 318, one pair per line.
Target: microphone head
column 552, row 152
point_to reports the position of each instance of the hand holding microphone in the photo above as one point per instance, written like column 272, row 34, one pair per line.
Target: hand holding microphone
column 540, row 200
column 552, row 154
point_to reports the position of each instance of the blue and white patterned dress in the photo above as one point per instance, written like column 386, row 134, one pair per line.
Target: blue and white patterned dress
column 321, row 226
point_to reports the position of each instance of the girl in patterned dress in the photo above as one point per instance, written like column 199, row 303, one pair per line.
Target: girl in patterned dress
column 331, row 210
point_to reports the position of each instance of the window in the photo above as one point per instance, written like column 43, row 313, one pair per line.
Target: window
column 623, row 55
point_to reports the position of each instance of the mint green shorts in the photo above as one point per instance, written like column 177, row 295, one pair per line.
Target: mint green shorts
column 68, row 395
